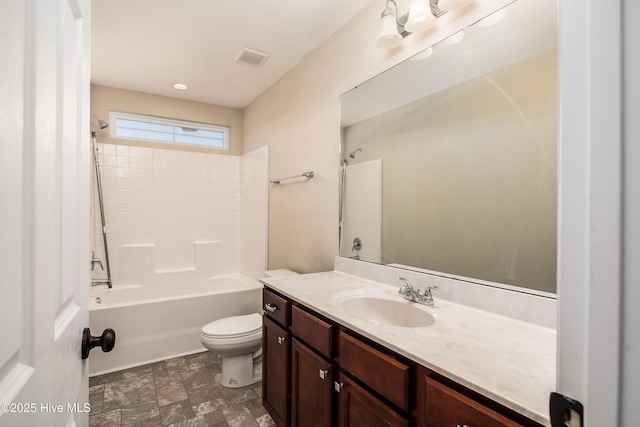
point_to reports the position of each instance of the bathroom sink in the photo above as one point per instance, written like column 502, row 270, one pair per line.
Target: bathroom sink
column 388, row 312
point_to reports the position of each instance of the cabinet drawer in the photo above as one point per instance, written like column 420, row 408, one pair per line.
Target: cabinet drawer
column 276, row 307
column 312, row 330
column 385, row 375
column 447, row 407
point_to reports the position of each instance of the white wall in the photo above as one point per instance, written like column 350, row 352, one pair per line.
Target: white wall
column 298, row 118
column 253, row 212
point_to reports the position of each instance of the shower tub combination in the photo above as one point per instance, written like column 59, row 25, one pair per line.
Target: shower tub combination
column 164, row 320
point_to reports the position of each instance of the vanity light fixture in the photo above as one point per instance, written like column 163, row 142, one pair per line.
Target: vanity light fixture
column 421, row 16
column 448, row 5
column 389, row 35
column 179, row 86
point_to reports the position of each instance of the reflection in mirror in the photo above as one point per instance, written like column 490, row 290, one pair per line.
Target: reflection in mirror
column 449, row 159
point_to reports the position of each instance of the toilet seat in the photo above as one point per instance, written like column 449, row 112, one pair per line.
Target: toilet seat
column 233, row 327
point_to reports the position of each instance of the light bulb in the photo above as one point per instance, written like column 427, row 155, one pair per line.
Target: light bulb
column 420, row 17
column 388, row 37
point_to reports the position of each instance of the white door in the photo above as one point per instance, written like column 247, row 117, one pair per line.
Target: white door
column 44, row 211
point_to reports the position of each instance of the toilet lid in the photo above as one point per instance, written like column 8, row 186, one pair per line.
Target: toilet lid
column 234, row 326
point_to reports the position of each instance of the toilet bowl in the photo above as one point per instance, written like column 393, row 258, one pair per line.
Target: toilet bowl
column 239, row 340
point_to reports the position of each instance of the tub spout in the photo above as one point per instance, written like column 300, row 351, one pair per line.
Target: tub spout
column 96, row 282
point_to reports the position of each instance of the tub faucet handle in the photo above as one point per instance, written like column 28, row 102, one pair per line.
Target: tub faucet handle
column 95, row 261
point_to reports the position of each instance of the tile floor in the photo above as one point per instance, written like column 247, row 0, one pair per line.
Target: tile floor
column 184, row 391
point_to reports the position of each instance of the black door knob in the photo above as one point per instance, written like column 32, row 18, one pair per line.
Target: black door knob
column 106, row 341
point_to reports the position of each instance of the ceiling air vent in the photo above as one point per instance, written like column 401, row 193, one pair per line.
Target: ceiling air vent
column 251, row 57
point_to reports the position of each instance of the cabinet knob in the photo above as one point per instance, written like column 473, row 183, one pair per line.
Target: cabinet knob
column 323, row 374
column 281, row 340
column 338, row 386
column 270, row 308
column 466, row 425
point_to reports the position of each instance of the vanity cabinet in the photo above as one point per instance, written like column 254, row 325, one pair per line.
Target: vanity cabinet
column 319, row 373
column 357, row 407
column 382, row 373
column 447, row 407
column 276, row 351
column 311, row 388
column 331, row 377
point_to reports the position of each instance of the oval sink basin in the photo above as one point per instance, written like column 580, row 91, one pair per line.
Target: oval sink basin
column 388, row 312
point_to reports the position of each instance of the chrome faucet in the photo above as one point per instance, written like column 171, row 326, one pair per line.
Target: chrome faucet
column 96, row 282
column 95, row 261
column 411, row 294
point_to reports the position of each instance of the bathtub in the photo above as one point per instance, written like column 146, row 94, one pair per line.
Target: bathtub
column 161, row 321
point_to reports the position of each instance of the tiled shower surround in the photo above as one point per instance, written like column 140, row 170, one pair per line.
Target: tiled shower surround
column 172, row 211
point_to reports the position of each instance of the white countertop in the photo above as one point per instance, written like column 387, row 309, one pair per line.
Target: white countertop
column 509, row 361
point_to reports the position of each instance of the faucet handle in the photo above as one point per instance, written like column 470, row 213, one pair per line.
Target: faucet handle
column 426, row 298
column 428, row 289
column 95, row 261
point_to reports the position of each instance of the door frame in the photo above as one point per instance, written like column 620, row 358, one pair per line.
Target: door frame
column 599, row 209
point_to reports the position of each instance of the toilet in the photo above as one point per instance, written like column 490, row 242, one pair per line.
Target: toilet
column 239, row 340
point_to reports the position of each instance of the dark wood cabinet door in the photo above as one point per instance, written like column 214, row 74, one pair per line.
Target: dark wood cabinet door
column 276, row 347
column 447, row 407
column 358, row 408
column 311, row 388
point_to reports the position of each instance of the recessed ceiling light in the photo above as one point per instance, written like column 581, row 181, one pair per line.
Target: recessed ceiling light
column 179, row 86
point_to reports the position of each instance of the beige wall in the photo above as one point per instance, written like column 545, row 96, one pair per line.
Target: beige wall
column 105, row 98
column 298, row 118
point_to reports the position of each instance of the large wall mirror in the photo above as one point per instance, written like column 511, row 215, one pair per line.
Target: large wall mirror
column 449, row 159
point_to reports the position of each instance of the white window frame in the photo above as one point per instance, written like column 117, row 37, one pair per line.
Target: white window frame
column 175, row 124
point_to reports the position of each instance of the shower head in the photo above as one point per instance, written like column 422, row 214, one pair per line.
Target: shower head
column 353, row 153
column 101, row 123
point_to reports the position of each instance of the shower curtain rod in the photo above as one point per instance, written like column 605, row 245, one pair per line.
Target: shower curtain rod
column 304, row 174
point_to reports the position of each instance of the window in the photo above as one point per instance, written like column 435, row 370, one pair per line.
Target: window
column 168, row 131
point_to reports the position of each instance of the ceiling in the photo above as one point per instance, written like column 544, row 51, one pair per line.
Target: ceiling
column 145, row 45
